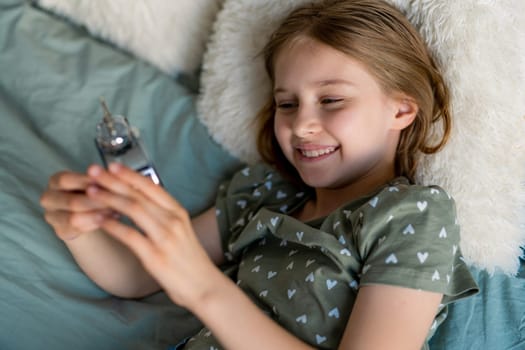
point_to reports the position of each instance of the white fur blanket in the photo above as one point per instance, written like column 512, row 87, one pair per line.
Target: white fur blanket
column 479, row 43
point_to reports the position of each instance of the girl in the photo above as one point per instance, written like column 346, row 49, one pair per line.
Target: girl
column 335, row 247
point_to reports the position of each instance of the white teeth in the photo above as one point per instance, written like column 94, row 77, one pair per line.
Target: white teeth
column 317, row 153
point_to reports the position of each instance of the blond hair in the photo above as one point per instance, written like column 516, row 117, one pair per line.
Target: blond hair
column 381, row 37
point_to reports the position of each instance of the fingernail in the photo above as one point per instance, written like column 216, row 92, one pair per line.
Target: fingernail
column 94, row 170
column 92, row 189
column 114, row 167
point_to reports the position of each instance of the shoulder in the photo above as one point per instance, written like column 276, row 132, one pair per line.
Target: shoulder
column 401, row 189
column 409, row 236
column 402, row 210
column 405, row 198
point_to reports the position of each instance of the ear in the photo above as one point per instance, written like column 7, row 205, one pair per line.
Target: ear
column 406, row 113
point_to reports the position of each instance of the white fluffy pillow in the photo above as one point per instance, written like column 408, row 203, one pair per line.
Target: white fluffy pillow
column 171, row 35
column 480, row 44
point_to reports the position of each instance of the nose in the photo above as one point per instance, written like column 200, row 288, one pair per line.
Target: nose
column 305, row 122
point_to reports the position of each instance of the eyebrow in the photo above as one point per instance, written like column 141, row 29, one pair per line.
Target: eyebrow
column 321, row 83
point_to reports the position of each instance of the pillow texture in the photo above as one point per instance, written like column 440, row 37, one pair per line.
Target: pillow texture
column 171, row 35
column 479, row 45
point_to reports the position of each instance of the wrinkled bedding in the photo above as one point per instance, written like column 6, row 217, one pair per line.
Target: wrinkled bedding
column 52, row 74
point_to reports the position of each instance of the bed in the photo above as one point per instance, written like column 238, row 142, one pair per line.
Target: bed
column 165, row 65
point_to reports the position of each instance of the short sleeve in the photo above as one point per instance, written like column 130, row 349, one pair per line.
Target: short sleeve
column 250, row 189
column 410, row 237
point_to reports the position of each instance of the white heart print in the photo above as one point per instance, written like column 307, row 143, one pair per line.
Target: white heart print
column 392, row 259
column 310, row 277
column 422, row 256
column 302, row 319
column 422, row 205
column 291, row 293
column 409, row 230
column 281, row 195
column 330, row 284
column 345, row 252
column 334, row 313
column 436, row 276
column 320, row 339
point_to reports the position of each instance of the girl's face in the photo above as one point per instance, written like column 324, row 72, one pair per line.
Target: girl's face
column 333, row 122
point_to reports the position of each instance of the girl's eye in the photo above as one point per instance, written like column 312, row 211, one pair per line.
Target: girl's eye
column 286, row 105
column 326, row 101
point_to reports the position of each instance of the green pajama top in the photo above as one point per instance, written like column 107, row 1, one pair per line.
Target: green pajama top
column 306, row 276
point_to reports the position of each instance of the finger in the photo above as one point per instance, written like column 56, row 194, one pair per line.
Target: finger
column 134, row 240
column 150, row 218
column 69, row 181
column 144, row 184
column 72, row 201
column 113, row 184
column 68, row 226
column 107, row 180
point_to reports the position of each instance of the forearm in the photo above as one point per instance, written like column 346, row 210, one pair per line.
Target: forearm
column 111, row 265
column 239, row 324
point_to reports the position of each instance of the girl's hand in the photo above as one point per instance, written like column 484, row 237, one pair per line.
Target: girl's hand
column 168, row 247
column 68, row 209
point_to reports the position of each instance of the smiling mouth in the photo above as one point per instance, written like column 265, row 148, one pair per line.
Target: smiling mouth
column 317, row 153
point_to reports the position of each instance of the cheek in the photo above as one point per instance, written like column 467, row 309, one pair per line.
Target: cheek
column 342, row 125
column 361, row 124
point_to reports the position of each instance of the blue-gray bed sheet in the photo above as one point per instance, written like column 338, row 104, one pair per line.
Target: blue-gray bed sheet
column 51, row 76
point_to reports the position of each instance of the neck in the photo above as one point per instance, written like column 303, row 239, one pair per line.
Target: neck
column 329, row 199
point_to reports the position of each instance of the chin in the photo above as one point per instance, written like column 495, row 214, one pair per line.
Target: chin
column 319, row 181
